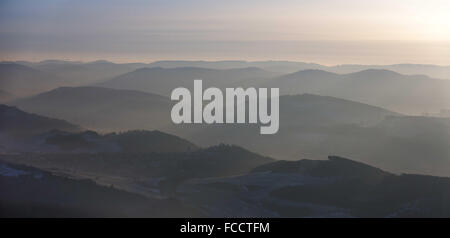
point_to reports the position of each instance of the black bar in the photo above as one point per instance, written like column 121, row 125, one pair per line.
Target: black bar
column 229, row 227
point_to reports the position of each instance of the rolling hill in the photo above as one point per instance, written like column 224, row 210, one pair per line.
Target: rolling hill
column 162, row 81
column 337, row 187
column 304, row 121
column 83, row 74
column 34, row 193
column 101, row 108
column 21, row 81
column 434, row 71
column 17, row 123
column 278, row 67
column 414, row 94
column 286, row 67
column 124, row 142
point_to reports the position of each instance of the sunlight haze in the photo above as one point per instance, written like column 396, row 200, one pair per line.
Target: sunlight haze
column 324, row 31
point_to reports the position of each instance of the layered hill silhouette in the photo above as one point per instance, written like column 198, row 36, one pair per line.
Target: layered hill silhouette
column 333, row 167
column 162, row 81
column 337, row 187
column 316, row 126
column 154, row 152
column 101, row 108
column 304, row 119
column 20, row 80
column 413, row 94
column 310, row 127
column 17, row 123
column 82, row 74
column 63, row 197
column 132, row 153
column 310, row 109
column 102, row 69
column 26, row 132
column 279, row 67
column 399, row 144
column 375, row 85
column 97, row 108
column 434, row 71
column 155, row 173
column 124, row 142
column 152, row 166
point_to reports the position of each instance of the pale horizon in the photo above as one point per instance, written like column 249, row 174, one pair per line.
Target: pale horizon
column 326, row 32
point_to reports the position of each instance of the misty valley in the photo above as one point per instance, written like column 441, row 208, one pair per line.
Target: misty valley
column 98, row 139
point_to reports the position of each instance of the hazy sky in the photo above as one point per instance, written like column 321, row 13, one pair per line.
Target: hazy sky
column 321, row 31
